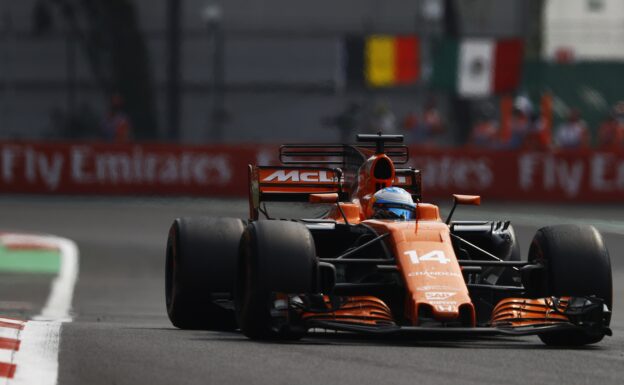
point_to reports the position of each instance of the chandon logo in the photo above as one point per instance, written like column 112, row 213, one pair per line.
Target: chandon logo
column 299, row 176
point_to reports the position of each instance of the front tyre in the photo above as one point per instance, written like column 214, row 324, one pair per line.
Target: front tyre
column 276, row 258
column 577, row 264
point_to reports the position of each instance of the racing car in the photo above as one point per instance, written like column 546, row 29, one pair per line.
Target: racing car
column 379, row 260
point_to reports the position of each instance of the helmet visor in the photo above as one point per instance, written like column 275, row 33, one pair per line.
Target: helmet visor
column 406, row 214
column 401, row 211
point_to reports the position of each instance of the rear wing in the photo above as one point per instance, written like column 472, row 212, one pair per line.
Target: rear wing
column 329, row 168
column 291, row 184
column 297, row 183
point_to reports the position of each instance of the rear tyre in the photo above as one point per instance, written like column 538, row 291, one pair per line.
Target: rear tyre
column 275, row 257
column 576, row 264
column 201, row 262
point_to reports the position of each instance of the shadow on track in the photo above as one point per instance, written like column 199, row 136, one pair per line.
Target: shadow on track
column 331, row 338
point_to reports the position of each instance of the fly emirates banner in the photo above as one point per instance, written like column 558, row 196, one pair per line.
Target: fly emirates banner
column 159, row 169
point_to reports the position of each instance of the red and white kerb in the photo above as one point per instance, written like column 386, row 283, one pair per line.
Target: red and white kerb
column 10, row 330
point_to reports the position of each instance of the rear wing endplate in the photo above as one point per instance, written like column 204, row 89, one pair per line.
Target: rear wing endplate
column 410, row 180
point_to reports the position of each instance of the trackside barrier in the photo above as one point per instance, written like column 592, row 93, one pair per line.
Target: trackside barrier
column 160, row 169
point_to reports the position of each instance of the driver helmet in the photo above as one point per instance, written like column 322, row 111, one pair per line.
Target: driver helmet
column 393, row 203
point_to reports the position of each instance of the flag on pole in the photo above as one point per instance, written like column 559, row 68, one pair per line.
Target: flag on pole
column 475, row 68
column 382, row 60
column 488, row 66
column 483, row 66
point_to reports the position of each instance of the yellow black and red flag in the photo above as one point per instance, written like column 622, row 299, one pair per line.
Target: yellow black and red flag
column 383, row 60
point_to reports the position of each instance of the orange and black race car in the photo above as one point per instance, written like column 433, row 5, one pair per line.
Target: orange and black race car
column 379, row 261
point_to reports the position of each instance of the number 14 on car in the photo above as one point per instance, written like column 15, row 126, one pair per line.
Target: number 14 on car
column 435, row 255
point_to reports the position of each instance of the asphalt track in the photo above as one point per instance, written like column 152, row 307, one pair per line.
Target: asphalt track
column 121, row 334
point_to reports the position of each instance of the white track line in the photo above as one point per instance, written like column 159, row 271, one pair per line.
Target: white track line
column 37, row 358
column 58, row 306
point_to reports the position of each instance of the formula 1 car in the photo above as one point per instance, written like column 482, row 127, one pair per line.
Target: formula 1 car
column 351, row 271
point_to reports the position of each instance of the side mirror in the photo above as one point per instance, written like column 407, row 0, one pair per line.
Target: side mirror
column 474, row 200
column 323, row 198
column 458, row 199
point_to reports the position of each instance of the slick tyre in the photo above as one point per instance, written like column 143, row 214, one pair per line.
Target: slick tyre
column 200, row 262
column 275, row 257
column 577, row 264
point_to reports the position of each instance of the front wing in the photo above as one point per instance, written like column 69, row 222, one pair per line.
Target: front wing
column 464, row 332
column 511, row 317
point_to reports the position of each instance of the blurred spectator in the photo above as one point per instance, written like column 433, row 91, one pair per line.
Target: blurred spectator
column 345, row 122
column 539, row 136
column 410, row 125
column 609, row 134
column 618, row 111
column 573, row 132
column 611, row 130
column 521, row 122
column 485, row 133
column 383, row 119
column 116, row 127
column 426, row 129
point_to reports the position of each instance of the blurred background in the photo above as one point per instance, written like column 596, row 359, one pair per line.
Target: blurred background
column 485, row 75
